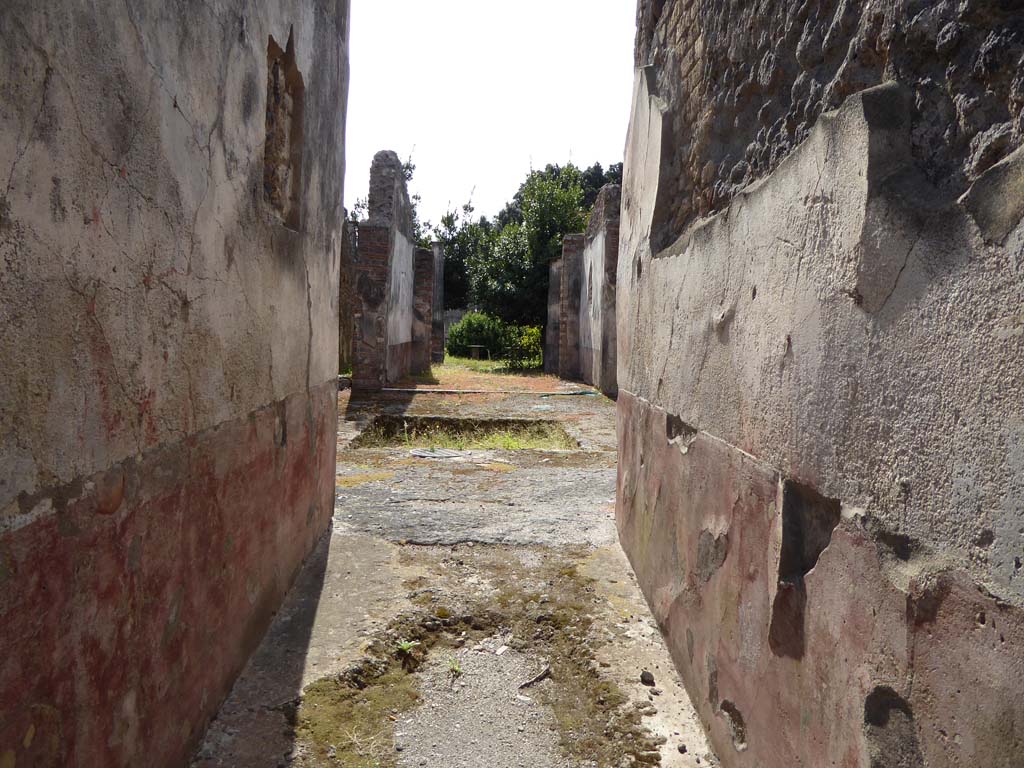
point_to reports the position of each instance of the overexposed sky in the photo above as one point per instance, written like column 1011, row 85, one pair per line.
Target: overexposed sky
column 478, row 91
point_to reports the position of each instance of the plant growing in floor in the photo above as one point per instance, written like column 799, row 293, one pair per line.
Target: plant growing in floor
column 405, row 650
column 454, row 670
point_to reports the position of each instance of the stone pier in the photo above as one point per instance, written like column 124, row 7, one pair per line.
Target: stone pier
column 569, row 285
column 552, row 334
column 423, row 310
column 597, row 293
column 384, row 280
column 437, row 338
column 399, row 288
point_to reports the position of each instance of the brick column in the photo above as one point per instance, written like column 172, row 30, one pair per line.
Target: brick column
column 370, row 273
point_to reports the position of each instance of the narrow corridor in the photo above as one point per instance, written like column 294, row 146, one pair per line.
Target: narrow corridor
column 471, row 606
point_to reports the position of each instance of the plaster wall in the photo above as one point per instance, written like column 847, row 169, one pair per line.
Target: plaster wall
column 423, row 308
column 597, row 328
column 167, row 336
column 570, row 289
column 400, row 307
column 437, row 338
column 552, row 331
column 848, row 328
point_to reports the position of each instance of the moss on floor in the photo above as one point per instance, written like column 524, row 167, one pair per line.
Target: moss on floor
column 539, row 596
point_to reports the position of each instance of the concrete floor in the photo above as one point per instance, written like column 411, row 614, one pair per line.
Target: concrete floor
column 410, row 534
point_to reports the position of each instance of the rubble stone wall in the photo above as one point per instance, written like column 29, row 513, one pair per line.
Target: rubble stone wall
column 821, row 474
column 743, row 84
column 170, row 225
column 597, row 293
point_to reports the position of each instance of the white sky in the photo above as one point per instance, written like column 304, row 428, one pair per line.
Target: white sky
column 478, row 91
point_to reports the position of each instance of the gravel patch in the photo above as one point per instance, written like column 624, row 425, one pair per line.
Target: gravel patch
column 480, row 718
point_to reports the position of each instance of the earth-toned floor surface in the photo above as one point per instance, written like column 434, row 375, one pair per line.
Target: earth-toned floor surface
column 469, row 607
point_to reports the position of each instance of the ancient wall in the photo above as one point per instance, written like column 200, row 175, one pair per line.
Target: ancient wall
column 346, row 295
column 821, row 476
column 743, row 83
column 384, row 279
column 570, row 286
column 170, row 227
column 552, row 333
column 437, row 337
column 597, row 292
column 423, row 310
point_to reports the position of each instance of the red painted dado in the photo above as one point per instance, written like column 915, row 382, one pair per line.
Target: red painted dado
column 137, row 600
column 877, row 656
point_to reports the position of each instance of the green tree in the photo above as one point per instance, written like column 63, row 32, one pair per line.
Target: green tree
column 421, row 230
column 511, row 280
column 463, row 240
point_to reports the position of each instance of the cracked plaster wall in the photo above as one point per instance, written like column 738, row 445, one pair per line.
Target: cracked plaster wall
column 169, row 355
column 844, row 314
column 147, row 292
column 597, row 292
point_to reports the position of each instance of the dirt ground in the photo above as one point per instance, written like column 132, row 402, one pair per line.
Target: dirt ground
column 466, row 610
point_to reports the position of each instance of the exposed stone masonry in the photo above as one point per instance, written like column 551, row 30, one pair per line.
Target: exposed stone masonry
column 744, row 82
column 395, row 285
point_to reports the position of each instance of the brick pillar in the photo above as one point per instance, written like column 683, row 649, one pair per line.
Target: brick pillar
column 437, row 321
column 569, row 314
column 423, row 309
column 370, row 274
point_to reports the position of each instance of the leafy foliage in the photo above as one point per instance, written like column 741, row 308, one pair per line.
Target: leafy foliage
column 477, row 329
column 520, row 346
column 462, row 238
column 501, row 266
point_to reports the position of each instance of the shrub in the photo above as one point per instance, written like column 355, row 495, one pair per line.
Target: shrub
column 520, row 346
column 523, row 347
column 477, row 328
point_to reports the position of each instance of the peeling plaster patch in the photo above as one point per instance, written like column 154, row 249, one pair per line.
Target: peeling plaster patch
column 680, row 434
column 737, row 727
column 711, row 553
column 890, row 731
column 808, row 519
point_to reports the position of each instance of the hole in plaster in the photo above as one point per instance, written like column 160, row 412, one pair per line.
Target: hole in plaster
column 679, row 433
column 736, row 725
column 808, row 520
column 639, row 269
column 282, row 150
column 890, row 730
column 753, row 293
column 711, row 553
